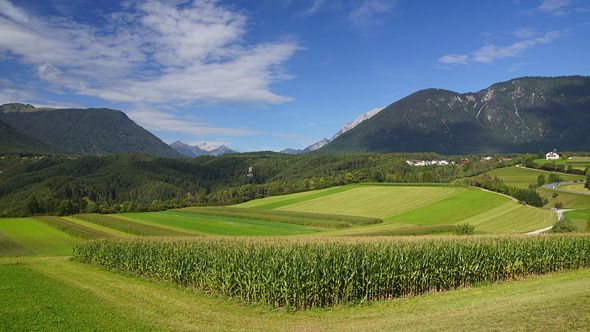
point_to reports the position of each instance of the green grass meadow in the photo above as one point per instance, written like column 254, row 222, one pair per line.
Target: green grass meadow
column 403, row 206
column 38, row 238
column 522, row 177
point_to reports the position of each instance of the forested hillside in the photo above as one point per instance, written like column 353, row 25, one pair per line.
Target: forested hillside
column 85, row 131
column 14, row 141
column 521, row 115
column 133, row 182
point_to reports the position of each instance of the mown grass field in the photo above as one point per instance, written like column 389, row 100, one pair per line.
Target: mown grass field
column 37, row 238
column 522, row 177
column 576, row 162
column 576, row 187
column 402, row 206
column 371, row 201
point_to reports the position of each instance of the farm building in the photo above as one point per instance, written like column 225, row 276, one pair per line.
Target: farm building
column 552, row 155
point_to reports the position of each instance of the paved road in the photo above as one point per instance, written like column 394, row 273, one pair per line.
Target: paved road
column 552, row 186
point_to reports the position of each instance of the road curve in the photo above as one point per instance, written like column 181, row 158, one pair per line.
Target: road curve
column 552, row 186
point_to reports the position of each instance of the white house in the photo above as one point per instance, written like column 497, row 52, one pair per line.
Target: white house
column 552, row 155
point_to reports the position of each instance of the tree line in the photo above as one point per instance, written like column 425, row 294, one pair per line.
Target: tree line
column 135, row 182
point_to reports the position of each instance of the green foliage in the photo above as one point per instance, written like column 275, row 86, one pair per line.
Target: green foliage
column 564, row 225
column 465, row 229
column 15, row 141
column 553, row 177
column 299, row 274
column 65, row 208
column 86, row 131
column 540, row 180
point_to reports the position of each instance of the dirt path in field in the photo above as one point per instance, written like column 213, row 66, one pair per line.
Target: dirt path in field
column 559, row 216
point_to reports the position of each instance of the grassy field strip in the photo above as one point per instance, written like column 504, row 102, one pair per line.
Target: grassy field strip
column 10, row 248
column 292, row 199
column 38, row 238
column 375, row 201
column 453, row 209
column 101, row 228
column 521, row 177
column 34, row 301
column 553, row 302
column 159, row 305
column 512, row 218
column 383, row 227
column 219, row 225
column 155, row 219
column 577, row 187
column 130, row 226
column 72, row 228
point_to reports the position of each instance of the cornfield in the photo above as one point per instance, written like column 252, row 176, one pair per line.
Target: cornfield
column 301, row 273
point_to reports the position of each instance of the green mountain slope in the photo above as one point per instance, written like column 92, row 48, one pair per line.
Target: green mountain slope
column 521, row 115
column 14, row 141
column 85, row 131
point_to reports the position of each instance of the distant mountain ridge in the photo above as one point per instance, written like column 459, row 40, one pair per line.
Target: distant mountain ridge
column 348, row 126
column 521, row 115
column 97, row 131
column 201, row 149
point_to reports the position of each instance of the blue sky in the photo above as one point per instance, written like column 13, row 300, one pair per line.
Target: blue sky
column 268, row 75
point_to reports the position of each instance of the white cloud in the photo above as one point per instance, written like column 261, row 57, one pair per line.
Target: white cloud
column 156, row 120
column 555, row 7
column 492, row 52
column 15, row 13
column 156, row 52
column 367, row 12
column 454, row 59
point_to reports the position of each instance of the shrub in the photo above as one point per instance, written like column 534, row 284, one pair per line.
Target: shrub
column 465, row 229
column 564, row 225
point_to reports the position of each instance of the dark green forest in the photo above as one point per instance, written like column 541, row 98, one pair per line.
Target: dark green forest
column 135, row 182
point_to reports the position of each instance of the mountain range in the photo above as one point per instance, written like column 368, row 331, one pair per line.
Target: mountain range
column 202, row 149
column 521, row 115
column 97, row 131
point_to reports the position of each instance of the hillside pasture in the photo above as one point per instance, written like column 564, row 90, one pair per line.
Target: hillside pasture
column 488, row 212
column 411, row 206
column 575, row 162
column 375, row 201
column 38, row 238
column 522, row 177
